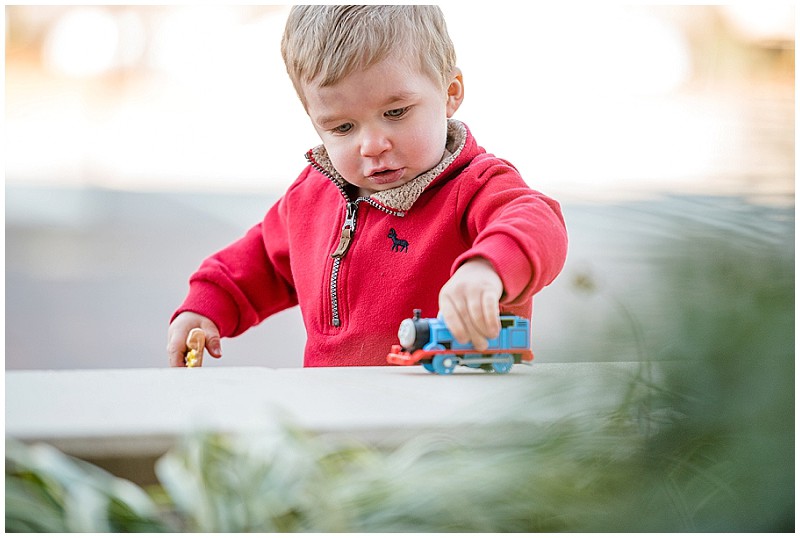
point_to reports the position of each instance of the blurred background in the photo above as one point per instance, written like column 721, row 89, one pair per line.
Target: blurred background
column 139, row 139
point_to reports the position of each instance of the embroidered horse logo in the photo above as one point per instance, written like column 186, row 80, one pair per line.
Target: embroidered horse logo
column 398, row 245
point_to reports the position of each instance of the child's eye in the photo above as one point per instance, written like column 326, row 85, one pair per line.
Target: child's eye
column 343, row 128
column 396, row 112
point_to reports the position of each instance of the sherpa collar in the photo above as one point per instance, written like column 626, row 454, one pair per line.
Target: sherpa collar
column 403, row 197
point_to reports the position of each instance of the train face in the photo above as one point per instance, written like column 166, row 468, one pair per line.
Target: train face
column 428, row 341
column 414, row 332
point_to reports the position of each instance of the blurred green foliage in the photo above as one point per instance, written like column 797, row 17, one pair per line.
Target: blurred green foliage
column 47, row 491
column 703, row 442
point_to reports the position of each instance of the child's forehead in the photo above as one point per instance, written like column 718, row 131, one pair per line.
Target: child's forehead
column 397, row 65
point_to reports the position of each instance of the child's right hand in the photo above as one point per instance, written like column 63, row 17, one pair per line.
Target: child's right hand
column 470, row 303
column 179, row 330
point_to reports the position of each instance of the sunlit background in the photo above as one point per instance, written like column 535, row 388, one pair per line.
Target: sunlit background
column 188, row 97
column 138, row 139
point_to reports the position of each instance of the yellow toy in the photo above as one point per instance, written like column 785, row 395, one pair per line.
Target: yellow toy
column 196, row 343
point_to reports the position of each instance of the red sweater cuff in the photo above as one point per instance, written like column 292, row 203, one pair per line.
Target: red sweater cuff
column 208, row 300
column 509, row 261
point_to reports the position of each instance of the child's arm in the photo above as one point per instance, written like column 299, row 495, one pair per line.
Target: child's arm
column 470, row 302
column 179, row 330
column 519, row 230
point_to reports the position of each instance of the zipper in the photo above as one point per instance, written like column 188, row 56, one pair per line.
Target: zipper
column 348, row 232
column 346, row 237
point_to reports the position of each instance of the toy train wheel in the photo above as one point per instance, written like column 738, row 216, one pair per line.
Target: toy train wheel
column 428, row 364
column 503, row 363
column 444, row 364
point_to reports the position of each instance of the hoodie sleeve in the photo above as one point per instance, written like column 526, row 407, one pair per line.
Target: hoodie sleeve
column 247, row 281
column 519, row 230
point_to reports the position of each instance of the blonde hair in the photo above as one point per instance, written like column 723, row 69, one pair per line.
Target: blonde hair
column 325, row 43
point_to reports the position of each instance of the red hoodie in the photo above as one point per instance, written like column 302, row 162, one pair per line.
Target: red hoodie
column 358, row 266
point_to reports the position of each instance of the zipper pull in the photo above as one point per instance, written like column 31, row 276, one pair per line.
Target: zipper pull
column 348, row 231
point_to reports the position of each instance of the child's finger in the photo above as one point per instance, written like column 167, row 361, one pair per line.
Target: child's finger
column 453, row 320
column 176, row 348
column 490, row 312
column 212, row 340
column 475, row 321
column 460, row 320
column 485, row 309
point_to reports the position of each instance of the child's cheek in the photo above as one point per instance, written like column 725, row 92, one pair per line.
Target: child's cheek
column 345, row 160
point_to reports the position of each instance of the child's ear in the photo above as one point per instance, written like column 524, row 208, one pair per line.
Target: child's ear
column 455, row 92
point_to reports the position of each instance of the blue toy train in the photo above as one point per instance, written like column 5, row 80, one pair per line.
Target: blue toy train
column 428, row 341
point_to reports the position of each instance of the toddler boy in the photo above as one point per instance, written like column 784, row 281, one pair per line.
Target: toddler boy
column 399, row 208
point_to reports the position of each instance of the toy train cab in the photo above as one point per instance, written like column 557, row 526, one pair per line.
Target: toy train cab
column 428, row 341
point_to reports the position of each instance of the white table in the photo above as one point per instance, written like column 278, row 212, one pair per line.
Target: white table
column 141, row 413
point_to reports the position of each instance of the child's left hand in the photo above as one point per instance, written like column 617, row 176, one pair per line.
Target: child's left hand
column 470, row 303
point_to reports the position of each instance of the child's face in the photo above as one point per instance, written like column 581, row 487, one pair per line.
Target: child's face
column 383, row 126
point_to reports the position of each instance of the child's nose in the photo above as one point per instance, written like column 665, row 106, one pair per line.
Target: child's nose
column 374, row 142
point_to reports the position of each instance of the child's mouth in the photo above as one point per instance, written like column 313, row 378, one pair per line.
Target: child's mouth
column 384, row 177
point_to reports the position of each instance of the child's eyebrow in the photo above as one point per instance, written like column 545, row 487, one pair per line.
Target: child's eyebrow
column 400, row 96
column 324, row 120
